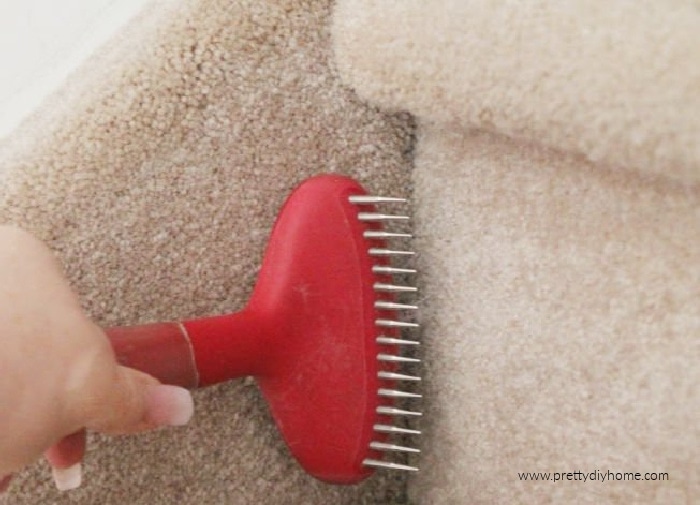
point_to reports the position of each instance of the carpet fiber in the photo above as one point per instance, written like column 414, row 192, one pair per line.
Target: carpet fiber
column 614, row 80
column 561, row 325
column 558, row 224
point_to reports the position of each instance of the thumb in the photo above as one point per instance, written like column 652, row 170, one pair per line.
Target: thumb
column 135, row 401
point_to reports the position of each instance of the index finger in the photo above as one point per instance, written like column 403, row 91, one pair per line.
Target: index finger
column 65, row 458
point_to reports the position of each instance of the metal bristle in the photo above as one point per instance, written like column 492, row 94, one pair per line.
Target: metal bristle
column 388, row 428
column 397, row 376
column 381, row 446
column 395, row 393
column 394, row 288
column 389, row 465
column 385, row 234
column 389, row 323
column 388, row 252
column 378, row 216
column 391, row 411
column 369, row 199
column 396, row 359
column 386, row 305
column 381, row 269
column 396, row 341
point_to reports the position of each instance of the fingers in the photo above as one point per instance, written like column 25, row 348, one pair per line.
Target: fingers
column 69, row 451
column 135, row 401
column 116, row 404
column 131, row 402
column 5, row 483
column 168, row 406
column 65, row 459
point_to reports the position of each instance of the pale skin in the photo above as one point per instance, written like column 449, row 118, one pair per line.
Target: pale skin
column 59, row 376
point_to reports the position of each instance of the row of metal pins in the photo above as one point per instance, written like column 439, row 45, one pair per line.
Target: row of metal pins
column 390, row 323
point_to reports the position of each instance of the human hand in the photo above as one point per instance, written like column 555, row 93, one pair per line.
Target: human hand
column 59, row 373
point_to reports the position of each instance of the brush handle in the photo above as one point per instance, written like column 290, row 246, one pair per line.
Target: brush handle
column 194, row 353
column 310, row 334
column 162, row 350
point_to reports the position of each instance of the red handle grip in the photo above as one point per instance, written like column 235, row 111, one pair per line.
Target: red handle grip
column 195, row 353
column 163, row 350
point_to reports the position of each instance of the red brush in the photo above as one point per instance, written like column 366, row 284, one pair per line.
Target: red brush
column 320, row 334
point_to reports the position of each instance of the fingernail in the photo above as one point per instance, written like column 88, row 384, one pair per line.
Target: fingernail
column 170, row 405
column 5, row 483
column 68, row 478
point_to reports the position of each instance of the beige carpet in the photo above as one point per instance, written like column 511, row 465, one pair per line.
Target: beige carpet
column 614, row 80
column 155, row 174
column 558, row 216
column 561, row 324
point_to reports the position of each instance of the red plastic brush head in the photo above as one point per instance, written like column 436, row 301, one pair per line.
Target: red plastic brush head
column 316, row 287
column 320, row 332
